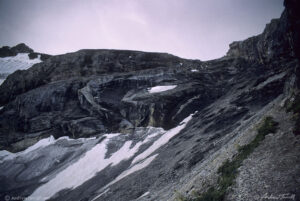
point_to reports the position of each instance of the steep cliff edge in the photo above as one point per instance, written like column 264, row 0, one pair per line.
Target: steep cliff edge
column 177, row 120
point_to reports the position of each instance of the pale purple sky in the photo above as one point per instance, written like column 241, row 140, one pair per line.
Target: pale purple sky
column 197, row 29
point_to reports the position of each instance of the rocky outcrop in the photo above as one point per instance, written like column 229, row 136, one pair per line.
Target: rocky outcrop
column 275, row 41
column 177, row 119
column 7, row 51
column 119, row 101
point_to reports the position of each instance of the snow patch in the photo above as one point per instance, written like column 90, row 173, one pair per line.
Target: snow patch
column 95, row 158
column 93, row 161
column 137, row 165
column 42, row 143
column 104, row 192
column 19, row 62
column 6, row 155
column 145, row 194
column 77, row 139
column 129, row 171
column 195, row 70
column 162, row 140
column 159, row 89
column 135, row 168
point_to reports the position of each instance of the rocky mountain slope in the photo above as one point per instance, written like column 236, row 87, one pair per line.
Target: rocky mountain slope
column 127, row 125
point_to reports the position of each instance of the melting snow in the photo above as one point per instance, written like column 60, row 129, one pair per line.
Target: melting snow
column 145, row 194
column 162, row 140
column 158, row 89
column 129, row 171
column 136, row 165
column 134, row 168
column 95, row 158
column 6, row 155
column 20, row 61
column 42, row 143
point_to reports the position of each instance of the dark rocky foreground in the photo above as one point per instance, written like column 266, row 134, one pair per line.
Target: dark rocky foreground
column 215, row 107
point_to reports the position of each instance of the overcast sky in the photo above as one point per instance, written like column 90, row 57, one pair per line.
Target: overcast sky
column 200, row 29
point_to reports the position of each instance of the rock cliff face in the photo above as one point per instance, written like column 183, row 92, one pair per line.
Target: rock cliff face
column 144, row 125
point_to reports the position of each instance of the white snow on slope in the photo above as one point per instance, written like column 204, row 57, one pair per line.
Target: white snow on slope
column 21, row 61
column 93, row 161
column 195, row 70
column 134, row 168
column 145, row 194
column 162, row 140
column 136, row 165
column 129, row 171
column 39, row 144
column 95, row 158
column 6, row 155
column 159, row 89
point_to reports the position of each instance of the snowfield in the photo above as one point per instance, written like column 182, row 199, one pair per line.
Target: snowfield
column 21, row 61
column 92, row 156
column 159, row 89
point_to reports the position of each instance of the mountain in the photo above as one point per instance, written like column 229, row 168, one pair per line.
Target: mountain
column 19, row 57
column 120, row 125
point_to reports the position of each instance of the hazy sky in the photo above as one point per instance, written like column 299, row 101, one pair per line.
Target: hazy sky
column 200, row 29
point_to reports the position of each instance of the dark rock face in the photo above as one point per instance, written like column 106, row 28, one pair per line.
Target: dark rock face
column 116, row 102
column 274, row 42
column 21, row 48
column 6, row 51
column 86, row 63
column 34, row 55
column 94, row 92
